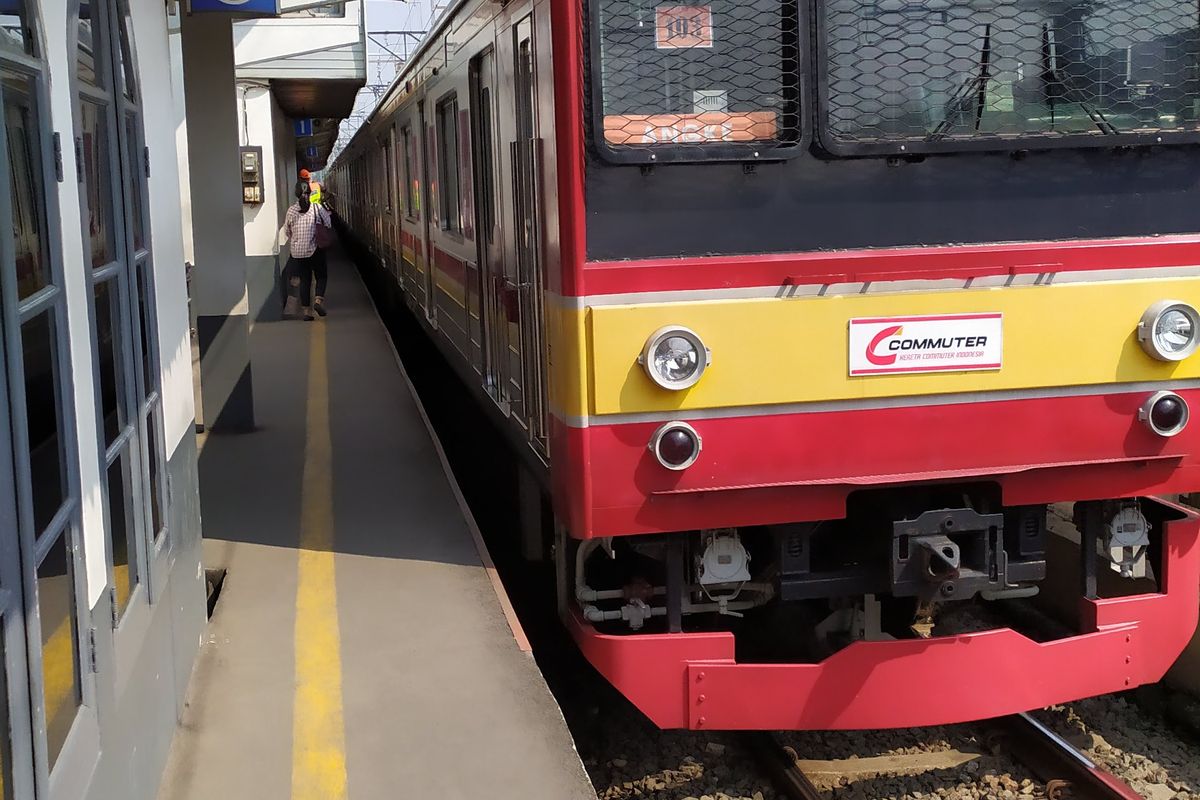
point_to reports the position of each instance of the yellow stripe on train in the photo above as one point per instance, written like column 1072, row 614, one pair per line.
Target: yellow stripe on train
column 771, row 351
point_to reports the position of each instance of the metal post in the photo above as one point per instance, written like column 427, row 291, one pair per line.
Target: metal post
column 675, row 583
column 1088, row 524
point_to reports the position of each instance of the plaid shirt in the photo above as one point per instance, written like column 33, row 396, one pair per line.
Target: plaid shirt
column 301, row 229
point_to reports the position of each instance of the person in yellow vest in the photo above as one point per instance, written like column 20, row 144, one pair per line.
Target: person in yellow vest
column 314, row 187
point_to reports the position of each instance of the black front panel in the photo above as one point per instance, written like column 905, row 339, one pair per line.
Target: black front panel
column 810, row 204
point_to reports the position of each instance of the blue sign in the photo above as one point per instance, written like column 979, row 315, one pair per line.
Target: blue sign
column 257, row 8
column 304, row 127
column 311, row 152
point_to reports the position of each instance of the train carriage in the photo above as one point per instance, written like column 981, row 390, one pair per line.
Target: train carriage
column 810, row 311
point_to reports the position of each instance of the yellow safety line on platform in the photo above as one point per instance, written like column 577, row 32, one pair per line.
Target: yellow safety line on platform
column 318, row 730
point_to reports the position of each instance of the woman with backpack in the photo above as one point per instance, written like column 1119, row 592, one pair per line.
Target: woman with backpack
column 306, row 223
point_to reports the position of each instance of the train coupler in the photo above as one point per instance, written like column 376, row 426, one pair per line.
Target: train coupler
column 951, row 554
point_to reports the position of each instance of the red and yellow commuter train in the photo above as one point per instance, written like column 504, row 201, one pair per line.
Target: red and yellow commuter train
column 820, row 317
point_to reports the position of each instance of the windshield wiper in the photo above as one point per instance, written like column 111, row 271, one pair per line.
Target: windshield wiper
column 1055, row 79
column 974, row 90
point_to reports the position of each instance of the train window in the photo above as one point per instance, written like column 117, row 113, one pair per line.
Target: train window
column 952, row 74
column 43, row 386
column 447, row 121
column 97, row 183
column 389, row 176
column 695, row 80
column 14, row 28
column 486, row 161
column 24, row 158
column 412, row 192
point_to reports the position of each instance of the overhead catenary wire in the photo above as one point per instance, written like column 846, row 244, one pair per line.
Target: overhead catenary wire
column 391, row 39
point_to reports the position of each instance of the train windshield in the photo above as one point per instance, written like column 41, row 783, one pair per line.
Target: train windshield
column 691, row 79
column 927, row 74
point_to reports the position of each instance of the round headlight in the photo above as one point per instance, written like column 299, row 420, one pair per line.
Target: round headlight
column 1165, row 413
column 675, row 357
column 676, row 445
column 1169, row 330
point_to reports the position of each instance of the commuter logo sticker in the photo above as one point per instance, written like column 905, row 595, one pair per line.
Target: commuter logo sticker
column 947, row 343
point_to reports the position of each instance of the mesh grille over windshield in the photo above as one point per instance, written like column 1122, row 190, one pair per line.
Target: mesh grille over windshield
column 680, row 80
column 936, row 72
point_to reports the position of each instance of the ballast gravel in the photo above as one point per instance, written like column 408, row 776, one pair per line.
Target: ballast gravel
column 628, row 758
column 1131, row 743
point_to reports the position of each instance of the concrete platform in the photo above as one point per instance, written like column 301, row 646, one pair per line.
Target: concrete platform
column 359, row 648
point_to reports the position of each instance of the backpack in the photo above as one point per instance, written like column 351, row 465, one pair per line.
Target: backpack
column 323, row 233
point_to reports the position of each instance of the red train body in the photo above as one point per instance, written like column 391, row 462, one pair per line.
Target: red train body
column 806, row 450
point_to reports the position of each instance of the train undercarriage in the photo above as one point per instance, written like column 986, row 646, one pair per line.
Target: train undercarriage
column 779, row 619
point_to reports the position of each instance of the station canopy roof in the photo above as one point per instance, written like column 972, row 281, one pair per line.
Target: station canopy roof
column 326, row 101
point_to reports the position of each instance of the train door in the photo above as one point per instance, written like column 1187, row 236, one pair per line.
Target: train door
column 385, row 200
column 409, row 198
column 394, row 204
column 429, row 169
column 527, row 205
column 487, row 223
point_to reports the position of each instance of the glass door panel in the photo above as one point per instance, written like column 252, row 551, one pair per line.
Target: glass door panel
column 61, row 685
column 33, row 267
column 43, row 420
column 98, row 183
column 121, row 532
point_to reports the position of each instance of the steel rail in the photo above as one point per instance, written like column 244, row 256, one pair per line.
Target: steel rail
column 1066, row 771
column 780, row 766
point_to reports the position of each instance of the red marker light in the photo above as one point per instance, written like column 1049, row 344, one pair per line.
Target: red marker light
column 1165, row 413
column 676, row 445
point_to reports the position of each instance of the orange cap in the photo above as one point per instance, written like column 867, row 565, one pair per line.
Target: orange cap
column 304, row 174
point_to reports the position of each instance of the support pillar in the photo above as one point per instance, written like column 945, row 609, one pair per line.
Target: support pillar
column 219, row 296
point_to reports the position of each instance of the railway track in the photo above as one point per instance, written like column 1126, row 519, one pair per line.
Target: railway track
column 1068, row 773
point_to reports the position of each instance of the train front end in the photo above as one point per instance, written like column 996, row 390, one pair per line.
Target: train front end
column 818, row 463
